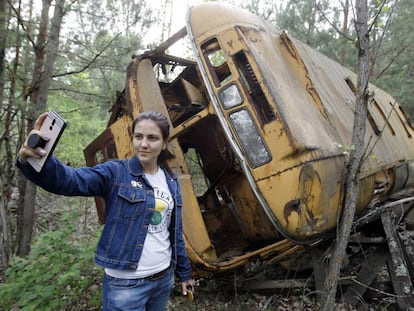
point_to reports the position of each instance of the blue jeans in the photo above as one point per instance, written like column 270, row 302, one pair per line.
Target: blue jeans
column 137, row 294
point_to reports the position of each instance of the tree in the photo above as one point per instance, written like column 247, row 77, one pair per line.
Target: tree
column 73, row 62
column 5, row 234
column 393, row 41
column 46, row 49
column 356, row 154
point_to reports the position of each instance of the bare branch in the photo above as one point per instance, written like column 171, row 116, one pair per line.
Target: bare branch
column 377, row 15
column 90, row 62
column 326, row 18
column 378, row 45
column 78, row 92
column 21, row 23
column 391, row 61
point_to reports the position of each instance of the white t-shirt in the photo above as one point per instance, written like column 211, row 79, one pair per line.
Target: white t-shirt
column 156, row 253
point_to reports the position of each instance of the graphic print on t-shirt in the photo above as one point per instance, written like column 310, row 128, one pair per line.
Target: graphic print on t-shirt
column 162, row 214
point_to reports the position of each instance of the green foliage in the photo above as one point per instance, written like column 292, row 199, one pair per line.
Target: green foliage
column 84, row 123
column 100, row 45
column 394, row 68
column 197, row 176
column 59, row 274
column 321, row 25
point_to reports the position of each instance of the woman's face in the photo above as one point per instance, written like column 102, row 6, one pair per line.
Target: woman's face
column 148, row 143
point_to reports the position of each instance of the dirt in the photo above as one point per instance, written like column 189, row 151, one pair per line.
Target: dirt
column 212, row 295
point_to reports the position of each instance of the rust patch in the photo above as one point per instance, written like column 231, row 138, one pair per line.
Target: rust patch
column 309, row 185
column 290, row 207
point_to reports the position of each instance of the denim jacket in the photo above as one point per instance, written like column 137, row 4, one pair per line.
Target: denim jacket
column 129, row 205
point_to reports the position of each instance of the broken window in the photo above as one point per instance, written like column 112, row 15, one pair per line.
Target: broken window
column 404, row 124
column 406, row 118
column 249, row 137
column 254, row 89
column 230, row 97
column 216, row 62
column 195, row 167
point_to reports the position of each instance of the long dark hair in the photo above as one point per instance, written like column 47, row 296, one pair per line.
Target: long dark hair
column 162, row 122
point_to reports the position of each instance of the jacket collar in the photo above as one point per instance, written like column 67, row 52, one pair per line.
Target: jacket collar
column 135, row 167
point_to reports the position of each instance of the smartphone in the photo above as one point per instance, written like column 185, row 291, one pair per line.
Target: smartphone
column 53, row 127
column 190, row 293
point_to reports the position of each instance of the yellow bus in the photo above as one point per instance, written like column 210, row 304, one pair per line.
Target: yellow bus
column 261, row 126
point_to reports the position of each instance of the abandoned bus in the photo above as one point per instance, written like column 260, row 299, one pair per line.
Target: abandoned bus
column 260, row 128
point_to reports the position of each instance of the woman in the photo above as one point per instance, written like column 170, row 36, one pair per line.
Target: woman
column 142, row 243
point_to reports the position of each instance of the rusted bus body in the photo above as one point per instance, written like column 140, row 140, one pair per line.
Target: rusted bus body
column 260, row 128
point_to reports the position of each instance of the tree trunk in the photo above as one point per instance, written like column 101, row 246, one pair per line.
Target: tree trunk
column 45, row 51
column 3, row 41
column 356, row 155
column 28, row 196
column 342, row 54
column 21, row 181
column 5, row 167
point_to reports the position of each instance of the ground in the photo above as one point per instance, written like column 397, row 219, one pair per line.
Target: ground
column 211, row 295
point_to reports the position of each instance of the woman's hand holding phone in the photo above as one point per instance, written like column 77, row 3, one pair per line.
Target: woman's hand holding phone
column 42, row 140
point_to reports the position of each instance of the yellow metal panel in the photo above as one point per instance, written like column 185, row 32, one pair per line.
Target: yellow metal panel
column 123, row 142
column 194, row 227
column 209, row 19
column 306, row 200
column 287, row 85
column 329, row 80
column 230, row 42
column 249, row 215
column 148, row 92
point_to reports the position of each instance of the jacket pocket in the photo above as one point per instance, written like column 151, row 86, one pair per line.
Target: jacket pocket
column 130, row 202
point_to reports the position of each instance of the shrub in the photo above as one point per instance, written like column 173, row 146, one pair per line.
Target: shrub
column 59, row 273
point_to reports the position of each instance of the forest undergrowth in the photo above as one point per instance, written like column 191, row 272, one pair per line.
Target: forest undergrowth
column 59, row 274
